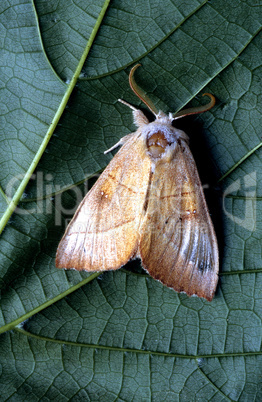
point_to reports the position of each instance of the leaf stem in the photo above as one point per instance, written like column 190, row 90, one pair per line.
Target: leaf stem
column 20, row 190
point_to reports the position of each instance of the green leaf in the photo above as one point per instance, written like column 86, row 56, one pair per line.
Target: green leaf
column 122, row 335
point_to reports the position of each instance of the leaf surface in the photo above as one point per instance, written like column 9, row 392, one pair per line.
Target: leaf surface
column 122, row 335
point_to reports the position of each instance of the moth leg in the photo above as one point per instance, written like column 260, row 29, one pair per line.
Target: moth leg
column 122, row 141
column 128, row 105
column 139, row 118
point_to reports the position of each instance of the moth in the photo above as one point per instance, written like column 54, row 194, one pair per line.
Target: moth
column 148, row 203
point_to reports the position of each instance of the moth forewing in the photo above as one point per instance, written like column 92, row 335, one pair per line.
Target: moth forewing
column 178, row 244
column 148, row 203
column 103, row 233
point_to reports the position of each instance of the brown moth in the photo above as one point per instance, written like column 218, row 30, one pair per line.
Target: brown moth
column 148, row 203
